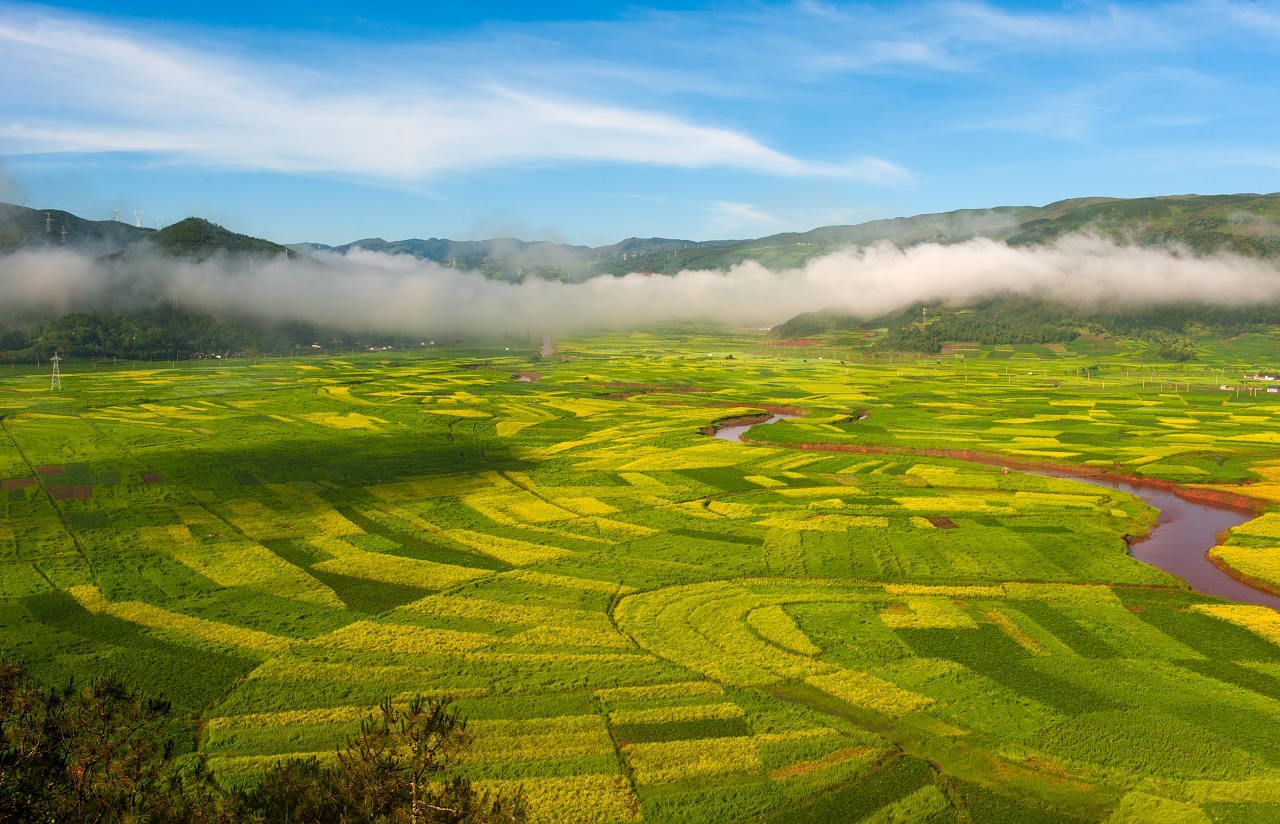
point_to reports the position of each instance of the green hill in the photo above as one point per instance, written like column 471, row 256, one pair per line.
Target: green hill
column 198, row 238
column 21, row 227
column 1247, row 224
column 1170, row 330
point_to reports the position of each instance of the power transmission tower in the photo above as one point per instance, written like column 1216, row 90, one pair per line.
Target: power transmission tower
column 56, row 383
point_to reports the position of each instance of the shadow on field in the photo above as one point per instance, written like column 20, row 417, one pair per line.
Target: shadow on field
column 346, row 459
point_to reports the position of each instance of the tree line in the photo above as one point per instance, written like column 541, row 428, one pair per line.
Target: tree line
column 161, row 332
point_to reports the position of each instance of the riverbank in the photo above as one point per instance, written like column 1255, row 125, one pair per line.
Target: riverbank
column 1187, row 528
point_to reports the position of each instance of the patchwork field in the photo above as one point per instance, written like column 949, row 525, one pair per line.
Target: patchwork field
column 644, row 623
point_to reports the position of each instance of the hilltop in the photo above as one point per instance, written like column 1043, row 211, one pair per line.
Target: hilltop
column 196, row 237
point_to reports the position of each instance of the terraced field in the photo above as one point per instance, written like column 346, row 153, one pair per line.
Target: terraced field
column 644, row 623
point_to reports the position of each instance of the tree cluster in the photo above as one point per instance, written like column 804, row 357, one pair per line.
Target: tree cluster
column 103, row 753
column 1170, row 328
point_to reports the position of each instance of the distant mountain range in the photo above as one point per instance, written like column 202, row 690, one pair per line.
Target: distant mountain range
column 511, row 258
column 1244, row 223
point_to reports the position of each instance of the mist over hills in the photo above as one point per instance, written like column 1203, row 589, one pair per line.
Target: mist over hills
column 999, row 275
column 511, row 258
column 1247, row 224
column 1242, row 223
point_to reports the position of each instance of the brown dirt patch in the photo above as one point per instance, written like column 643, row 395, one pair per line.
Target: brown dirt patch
column 18, row 483
column 622, row 391
column 772, row 408
column 796, row 342
column 81, row 492
column 941, row 521
column 152, row 477
column 49, row 470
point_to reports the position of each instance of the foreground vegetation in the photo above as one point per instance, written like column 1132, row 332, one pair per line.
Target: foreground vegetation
column 641, row 623
column 100, row 753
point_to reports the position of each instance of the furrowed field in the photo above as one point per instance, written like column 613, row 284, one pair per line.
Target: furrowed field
column 644, row 623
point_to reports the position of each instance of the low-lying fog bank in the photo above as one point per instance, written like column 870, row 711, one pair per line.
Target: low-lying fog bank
column 406, row 295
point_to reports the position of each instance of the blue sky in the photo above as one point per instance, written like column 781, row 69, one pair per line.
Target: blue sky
column 589, row 122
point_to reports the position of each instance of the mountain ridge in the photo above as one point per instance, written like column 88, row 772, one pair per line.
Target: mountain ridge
column 1245, row 223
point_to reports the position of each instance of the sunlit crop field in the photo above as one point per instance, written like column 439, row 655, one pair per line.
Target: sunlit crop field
column 646, row 624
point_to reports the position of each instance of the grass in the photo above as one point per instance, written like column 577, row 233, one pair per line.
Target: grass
column 644, row 624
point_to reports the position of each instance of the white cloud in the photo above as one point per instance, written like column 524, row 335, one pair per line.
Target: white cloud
column 631, row 90
column 83, row 86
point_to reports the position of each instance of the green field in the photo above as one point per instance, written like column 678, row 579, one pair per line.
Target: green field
column 643, row 623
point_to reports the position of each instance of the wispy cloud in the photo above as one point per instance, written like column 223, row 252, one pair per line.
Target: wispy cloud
column 728, row 216
column 1156, row 98
column 1258, row 18
column 77, row 85
column 1091, row 26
